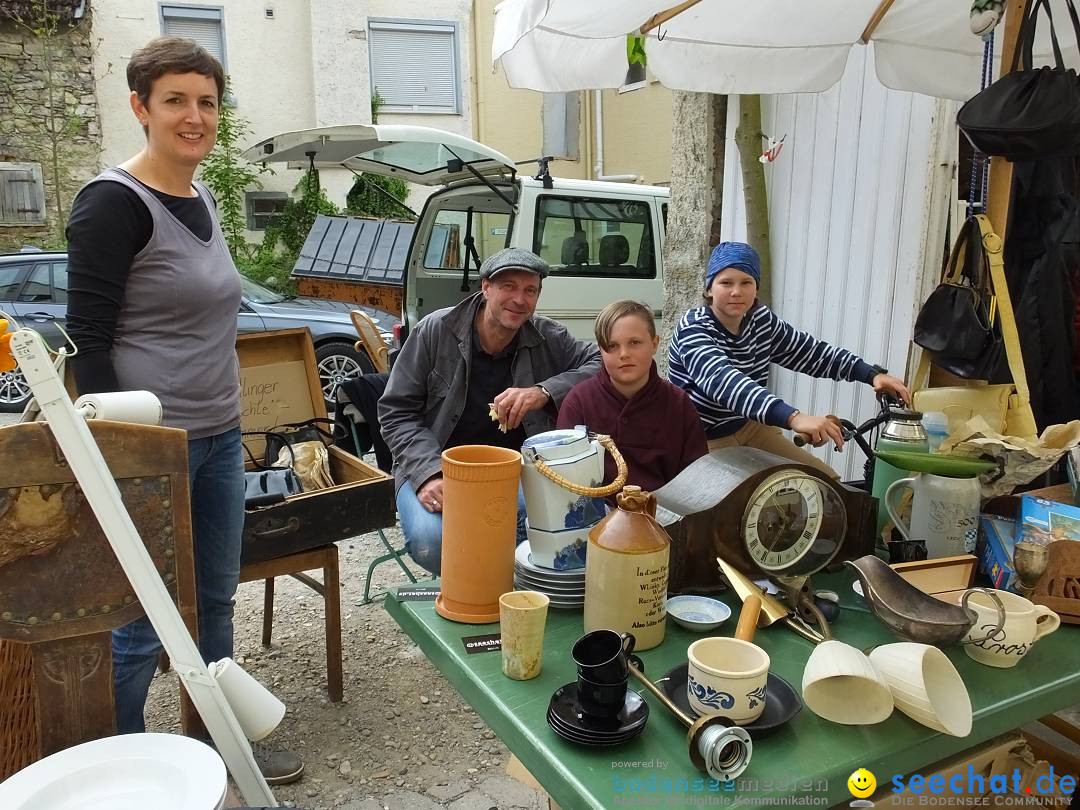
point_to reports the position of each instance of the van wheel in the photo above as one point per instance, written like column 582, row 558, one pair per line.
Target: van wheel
column 339, row 361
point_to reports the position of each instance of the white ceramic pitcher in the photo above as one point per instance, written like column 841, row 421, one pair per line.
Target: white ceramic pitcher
column 559, row 521
column 943, row 511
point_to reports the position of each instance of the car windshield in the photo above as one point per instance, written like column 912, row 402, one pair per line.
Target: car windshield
column 258, row 294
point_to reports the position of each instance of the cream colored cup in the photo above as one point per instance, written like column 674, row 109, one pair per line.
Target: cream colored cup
column 841, row 685
column 522, row 616
column 925, row 686
column 727, row 676
column 1025, row 623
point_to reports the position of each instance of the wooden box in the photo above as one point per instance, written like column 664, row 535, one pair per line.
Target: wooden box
column 280, row 384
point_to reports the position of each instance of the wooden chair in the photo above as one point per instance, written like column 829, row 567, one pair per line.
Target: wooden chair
column 62, row 590
column 326, row 558
column 371, row 340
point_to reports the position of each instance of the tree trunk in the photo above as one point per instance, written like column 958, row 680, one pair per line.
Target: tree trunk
column 748, row 137
column 699, row 122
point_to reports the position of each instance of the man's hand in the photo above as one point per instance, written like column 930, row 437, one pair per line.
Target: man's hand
column 513, row 403
column 888, row 384
column 817, row 429
column 430, row 494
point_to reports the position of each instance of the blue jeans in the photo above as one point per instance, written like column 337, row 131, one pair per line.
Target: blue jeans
column 216, row 474
column 423, row 529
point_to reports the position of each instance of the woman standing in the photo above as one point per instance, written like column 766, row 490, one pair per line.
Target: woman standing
column 153, row 302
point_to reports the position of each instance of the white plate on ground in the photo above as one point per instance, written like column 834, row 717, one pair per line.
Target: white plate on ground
column 125, row 772
column 523, row 558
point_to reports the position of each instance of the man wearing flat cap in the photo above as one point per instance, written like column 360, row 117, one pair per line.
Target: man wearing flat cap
column 458, row 361
column 720, row 355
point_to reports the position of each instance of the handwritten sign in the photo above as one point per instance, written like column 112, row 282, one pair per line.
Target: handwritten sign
column 272, row 395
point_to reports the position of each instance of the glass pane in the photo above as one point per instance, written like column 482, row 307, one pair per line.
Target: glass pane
column 446, row 247
column 60, row 283
column 36, row 290
column 9, row 280
column 581, row 236
column 421, row 158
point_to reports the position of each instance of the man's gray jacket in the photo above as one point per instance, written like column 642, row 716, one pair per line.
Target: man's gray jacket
column 426, row 390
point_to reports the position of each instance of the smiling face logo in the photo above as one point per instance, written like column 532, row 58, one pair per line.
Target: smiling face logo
column 861, row 783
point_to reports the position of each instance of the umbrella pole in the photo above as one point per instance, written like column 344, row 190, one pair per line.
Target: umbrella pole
column 997, row 197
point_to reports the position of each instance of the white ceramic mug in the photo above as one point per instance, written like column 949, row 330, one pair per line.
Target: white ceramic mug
column 727, row 676
column 1025, row 623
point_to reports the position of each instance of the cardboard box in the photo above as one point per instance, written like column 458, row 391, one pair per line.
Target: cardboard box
column 997, row 537
column 279, row 385
column 1043, row 521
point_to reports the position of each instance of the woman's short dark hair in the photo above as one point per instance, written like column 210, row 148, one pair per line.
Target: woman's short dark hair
column 171, row 55
column 605, row 321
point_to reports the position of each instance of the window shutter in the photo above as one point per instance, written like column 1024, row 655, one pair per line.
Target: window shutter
column 206, row 32
column 22, row 194
column 413, row 66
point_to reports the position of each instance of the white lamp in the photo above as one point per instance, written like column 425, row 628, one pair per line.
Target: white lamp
column 255, row 706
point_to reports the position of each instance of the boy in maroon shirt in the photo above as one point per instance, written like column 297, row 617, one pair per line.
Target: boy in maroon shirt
column 652, row 422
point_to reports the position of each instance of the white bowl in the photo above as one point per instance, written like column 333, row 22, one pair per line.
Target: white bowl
column 697, row 613
column 925, row 686
column 841, row 685
column 125, row 772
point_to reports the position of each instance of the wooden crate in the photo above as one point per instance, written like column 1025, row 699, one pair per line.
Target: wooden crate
column 280, row 384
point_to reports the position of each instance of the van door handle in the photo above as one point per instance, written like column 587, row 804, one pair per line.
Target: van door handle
column 39, row 317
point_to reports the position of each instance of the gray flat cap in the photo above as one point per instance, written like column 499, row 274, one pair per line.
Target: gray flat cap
column 512, row 258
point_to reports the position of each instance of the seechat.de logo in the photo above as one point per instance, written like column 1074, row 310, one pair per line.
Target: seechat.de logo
column 861, row 784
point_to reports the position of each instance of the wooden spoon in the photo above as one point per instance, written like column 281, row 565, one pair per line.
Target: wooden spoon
column 748, row 618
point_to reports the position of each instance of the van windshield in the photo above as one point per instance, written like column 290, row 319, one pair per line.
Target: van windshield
column 446, row 249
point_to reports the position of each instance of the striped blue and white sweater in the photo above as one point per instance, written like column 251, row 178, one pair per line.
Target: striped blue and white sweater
column 725, row 374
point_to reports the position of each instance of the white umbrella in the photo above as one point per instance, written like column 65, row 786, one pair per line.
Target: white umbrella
column 751, row 46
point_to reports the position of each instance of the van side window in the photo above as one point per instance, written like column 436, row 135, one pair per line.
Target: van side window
column 589, row 236
column 446, row 246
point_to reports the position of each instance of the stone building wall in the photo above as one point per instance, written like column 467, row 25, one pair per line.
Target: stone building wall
column 33, row 68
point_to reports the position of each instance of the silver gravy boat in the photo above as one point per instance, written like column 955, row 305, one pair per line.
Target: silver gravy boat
column 913, row 615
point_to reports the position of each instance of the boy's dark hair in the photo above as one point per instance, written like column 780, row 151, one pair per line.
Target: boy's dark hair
column 171, row 55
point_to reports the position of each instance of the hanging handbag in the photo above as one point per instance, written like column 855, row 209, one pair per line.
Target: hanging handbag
column 956, row 324
column 1006, row 408
column 265, row 485
column 1031, row 113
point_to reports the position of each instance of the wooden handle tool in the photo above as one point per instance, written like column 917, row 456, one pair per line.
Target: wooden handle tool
column 748, row 618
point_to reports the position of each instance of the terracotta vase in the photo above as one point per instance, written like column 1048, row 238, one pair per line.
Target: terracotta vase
column 480, row 500
column 626, row 571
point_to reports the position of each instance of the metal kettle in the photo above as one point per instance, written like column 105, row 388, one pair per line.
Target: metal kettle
column 903, row 431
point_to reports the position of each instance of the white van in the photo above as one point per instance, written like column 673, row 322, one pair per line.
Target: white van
column 604, row 241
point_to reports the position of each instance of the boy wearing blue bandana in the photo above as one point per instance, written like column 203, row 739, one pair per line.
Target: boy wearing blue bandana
column 720, row 355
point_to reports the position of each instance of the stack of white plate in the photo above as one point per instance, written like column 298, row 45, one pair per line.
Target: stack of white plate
column 565, row 589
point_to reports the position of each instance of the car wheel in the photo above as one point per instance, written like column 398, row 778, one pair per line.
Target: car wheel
column 339, row 361
column 14, row 392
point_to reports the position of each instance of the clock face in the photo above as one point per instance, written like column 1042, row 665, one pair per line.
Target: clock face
column 793, row 524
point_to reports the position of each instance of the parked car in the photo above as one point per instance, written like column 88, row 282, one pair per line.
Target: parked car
column 604, row 241
column 33, row 288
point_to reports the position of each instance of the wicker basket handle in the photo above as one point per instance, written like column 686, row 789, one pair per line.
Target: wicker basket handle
column 592, row 492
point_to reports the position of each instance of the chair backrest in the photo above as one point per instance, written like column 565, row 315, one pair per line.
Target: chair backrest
column 371, row 340
column 614, row 250
column 575, row 250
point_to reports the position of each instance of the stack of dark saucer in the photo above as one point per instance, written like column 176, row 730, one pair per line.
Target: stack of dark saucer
column 597, row 709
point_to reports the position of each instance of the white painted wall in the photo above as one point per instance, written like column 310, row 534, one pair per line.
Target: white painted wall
column 856, row 206
column 306, row 67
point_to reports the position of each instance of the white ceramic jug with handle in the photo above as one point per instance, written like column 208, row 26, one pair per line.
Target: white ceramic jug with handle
column 943, row 511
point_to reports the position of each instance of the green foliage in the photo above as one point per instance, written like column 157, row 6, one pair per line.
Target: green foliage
column 275, row 258
column 364, row 200
column 229, row 176
column 635, row 49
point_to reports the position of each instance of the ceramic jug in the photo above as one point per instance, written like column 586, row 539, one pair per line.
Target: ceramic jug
column 1002, row 645
column 943, row 511
column 559, row 521
column 626, row 571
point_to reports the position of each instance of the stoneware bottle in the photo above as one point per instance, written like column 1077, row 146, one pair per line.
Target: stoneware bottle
column 626, row 571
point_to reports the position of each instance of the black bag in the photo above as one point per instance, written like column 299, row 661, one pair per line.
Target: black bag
column 1031, row 113
column 956, row 324
column 266, row 484
column 294, row 433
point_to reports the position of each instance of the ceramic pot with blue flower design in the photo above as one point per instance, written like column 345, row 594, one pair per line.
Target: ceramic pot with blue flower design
column 727, row 676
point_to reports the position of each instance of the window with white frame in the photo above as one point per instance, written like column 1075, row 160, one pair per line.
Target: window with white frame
column 414, row 65
column 204, row 24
